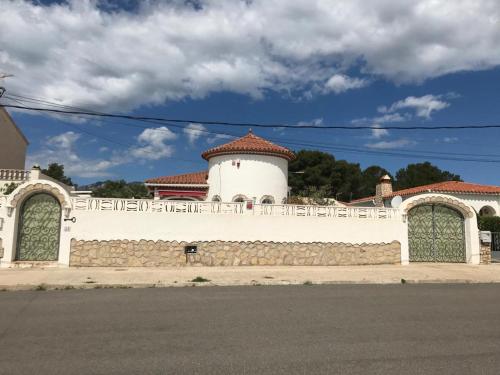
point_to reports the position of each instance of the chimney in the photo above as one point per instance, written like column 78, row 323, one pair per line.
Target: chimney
column 383, row 188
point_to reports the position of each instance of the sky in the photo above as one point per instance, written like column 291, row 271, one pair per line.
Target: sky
column 307, row 62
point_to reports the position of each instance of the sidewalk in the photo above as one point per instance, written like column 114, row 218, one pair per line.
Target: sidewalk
column 89, row 278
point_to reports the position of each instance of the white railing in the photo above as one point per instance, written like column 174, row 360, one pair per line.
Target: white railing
column 326, row 211
column 194, row 207
column 14, row 175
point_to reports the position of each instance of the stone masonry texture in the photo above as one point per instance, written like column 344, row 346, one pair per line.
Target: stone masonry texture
column 124, row 253
column 485, row 253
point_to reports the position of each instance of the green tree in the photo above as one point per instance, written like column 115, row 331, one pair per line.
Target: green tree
column 315, row 171
column 422, row 174
column 121, row 189
column 56, row 171
column 311, row 169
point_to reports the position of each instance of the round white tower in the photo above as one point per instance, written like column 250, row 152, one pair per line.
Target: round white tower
column 248, row 168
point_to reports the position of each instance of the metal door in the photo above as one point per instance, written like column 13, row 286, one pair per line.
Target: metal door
column 495, row 241
column 436, row 234
column 39, row 228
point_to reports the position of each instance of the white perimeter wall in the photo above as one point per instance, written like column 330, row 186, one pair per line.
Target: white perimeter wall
column 257, row 176
column 109, row 219
column 198, row 227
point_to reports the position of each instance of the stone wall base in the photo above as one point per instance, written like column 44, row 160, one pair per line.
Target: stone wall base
column 485, row 253
column 124, row 253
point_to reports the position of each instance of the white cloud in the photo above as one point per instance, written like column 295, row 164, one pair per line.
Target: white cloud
column 79, row 54
column 423, row 105
column 194, row 131
column 379, row 133
column 391, row 144
column 152, row 144
column 63, row 149
column 219, row 137
column 340, row 83
column 314, row 122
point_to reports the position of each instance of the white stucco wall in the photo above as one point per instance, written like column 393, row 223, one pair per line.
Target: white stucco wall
column 476, row 201
column 121, row 219
column 110, row 219
column 256, row 176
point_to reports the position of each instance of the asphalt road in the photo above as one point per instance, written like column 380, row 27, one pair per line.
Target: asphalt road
column 342, row 329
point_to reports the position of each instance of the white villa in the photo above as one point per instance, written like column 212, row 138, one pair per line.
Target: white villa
column 235, row 214
column 248, row 169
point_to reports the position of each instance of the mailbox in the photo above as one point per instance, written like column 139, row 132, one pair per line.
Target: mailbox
column 190, row 249
column 485, row 236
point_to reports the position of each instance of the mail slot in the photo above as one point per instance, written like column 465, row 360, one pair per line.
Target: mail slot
column 190, row 249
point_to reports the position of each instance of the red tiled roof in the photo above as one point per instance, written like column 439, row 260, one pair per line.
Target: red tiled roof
column 197, row 178
column 442, row 187
column 250, row 144
column 449, row 187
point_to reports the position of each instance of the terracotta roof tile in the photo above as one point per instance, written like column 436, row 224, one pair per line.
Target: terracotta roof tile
column 441, row 187
column 197, row 178
column 449, row 187
column 250, row 144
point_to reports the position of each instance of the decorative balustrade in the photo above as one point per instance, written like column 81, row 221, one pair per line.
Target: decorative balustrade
column 326, row 211
column 16, row 175
column 195, row 207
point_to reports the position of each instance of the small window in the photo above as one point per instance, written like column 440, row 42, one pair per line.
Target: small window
column 267, row 199
column 216, row 198
column 239, row 198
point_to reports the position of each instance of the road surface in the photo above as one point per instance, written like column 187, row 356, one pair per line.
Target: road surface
column 329, row 329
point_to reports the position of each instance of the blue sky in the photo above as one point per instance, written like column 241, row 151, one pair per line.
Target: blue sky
column 310, row 62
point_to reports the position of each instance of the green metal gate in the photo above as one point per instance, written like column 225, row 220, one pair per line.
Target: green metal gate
column 39, row 228
column 495, row 241
column 436, row 234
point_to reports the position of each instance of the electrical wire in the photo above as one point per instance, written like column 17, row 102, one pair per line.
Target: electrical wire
column 343, row 148
column 246, row 125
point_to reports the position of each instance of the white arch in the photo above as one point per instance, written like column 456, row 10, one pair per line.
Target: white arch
column 239, row 198
column 470, row 222
column 487, row 211
column 39, row 186
column 267, row 199
column 13, row 205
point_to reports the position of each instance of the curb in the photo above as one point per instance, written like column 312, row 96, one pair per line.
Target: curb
column 90, row 286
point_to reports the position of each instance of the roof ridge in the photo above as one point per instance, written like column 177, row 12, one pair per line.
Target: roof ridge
column 196, row 178
column 250, row 143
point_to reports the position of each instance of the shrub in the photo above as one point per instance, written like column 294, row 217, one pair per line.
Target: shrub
column 490, row 223
column 9, row 188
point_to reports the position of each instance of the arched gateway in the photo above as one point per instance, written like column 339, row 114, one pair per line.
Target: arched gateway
column 436, row 233
column 39, row 228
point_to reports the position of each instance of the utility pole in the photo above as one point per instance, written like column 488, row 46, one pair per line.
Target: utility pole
column 2, row 76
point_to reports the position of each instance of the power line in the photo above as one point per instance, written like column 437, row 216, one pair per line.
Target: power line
column 343, row 148
column 281, row 140
column 113, row 141
column 246, row 125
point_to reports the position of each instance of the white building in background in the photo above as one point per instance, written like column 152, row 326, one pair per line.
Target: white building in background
column 484, row 199
column 13, row 143
column 249, row 168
